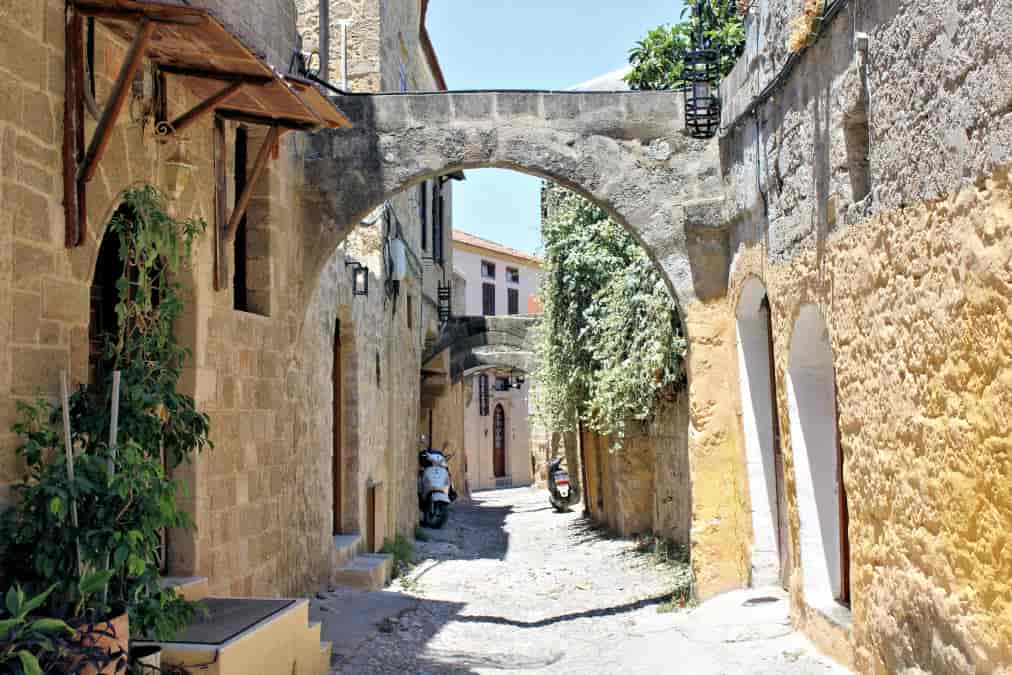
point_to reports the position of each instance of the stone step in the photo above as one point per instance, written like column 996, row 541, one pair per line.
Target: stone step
column 191, row 588
column 346, row 547
column 285, row 642
column 370, row 572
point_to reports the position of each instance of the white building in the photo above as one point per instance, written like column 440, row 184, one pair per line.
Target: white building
column 498, row 280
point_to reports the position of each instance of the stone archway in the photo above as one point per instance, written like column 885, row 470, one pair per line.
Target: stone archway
column 763, row 452
column 626, row 152
column 818, row 466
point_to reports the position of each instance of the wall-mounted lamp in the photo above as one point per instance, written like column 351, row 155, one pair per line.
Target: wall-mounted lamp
column 518, row 383
column 177, row 169
column 359, row 277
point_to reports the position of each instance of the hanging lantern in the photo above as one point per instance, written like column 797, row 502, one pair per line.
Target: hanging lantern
column 445, row 297
column 359, row 278
column 702, row 105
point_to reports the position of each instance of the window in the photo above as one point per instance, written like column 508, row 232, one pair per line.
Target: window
column 488, row 299
column 513, row 275
column 502, row 384
column 240, row 300
column 438, row 213
column 423, row 213
column 513, row 301
column 487, row 270
column 482, row 395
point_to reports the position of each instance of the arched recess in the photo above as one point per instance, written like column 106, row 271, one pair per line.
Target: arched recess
column 760, row 426
column 818, row 463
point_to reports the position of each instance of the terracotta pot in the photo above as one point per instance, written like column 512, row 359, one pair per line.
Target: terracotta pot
column 113, row 637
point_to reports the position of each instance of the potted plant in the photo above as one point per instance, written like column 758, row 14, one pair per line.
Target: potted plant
column 31, row 644
column 88, row 518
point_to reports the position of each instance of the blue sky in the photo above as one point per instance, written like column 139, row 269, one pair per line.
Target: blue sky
column 529, row 44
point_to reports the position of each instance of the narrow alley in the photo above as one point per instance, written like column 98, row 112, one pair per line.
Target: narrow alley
column 512, row 586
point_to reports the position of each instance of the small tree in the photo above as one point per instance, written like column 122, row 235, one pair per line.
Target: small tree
column 609, row 346
column 658, row 59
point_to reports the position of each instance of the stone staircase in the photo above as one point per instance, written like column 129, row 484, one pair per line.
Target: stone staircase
column 285, row 642
column 355, row 569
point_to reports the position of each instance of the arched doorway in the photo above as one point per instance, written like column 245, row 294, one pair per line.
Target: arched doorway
column 761, row 427
column 818, row 463
column 337, row 461
column 104, row 297
column 499, row 442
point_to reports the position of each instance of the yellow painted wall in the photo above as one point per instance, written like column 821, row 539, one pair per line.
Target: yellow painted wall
column 918, row 303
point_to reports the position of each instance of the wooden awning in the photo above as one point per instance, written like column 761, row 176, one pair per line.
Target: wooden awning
column 194, row 49
column 192, row 45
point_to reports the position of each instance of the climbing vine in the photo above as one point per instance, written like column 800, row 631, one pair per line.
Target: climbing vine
column 121, row 494
column 609, row 346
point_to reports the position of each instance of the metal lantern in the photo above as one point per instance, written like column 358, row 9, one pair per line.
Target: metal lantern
column 702, row 105
column 359, row 278
column 445, row 308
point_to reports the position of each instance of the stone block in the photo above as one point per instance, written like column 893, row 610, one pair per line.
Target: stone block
column 38, row 115
column 27, row 317
column 33, row 151
column 30, row 212
column 66, row 301
column 516, row 104
column 31, row 263
column 37, row 370
column 561, row 106
column 474, row 106
column 11, row 96
column 54, row 26
column 21, row 52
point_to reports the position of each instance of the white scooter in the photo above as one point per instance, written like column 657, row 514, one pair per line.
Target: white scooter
column 435, row 489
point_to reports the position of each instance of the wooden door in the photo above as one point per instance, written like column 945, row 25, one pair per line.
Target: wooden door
column 499, row 442
column 844, row 596
column 778, row 457
column 338, row 455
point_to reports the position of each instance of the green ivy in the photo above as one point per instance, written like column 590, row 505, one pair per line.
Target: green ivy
column 121, row 513
column 658, row 59
column 609, row 345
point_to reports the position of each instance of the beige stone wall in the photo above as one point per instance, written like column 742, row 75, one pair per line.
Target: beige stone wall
column 262, row 497
column 917, row 304
column 478, row 434
column 644, row 486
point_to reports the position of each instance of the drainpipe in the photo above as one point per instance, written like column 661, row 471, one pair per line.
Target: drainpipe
column 325, row 40
column 344, row 53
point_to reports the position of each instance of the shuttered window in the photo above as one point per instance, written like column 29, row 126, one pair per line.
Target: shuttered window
column 488, row 299
column 513, row 297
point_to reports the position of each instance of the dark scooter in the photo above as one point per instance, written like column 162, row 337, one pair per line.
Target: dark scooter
column 560, row 493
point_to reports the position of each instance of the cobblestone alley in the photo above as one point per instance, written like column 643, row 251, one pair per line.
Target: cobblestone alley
column 510, row 586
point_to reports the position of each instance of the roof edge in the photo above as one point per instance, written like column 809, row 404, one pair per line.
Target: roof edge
column 429, row 49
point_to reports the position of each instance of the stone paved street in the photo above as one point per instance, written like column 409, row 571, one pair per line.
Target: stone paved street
column 512, row 587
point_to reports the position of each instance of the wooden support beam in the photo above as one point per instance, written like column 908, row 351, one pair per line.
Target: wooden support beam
column 188, row 118
column 260, row 120
column 220, row 150
column 182, row 16
column 179, row 71
column 74, row 207
column 120, row 91
column 247, row 194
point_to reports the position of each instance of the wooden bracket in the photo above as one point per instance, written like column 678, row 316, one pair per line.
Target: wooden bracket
column 78, row 166
column 227, row 226
column 191, row 116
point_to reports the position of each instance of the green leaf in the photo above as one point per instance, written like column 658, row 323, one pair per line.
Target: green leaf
column 93, row 582
column 13, row 600
column 37, row 601
column 29, row 663
column 7, row 624
column 51, row 626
